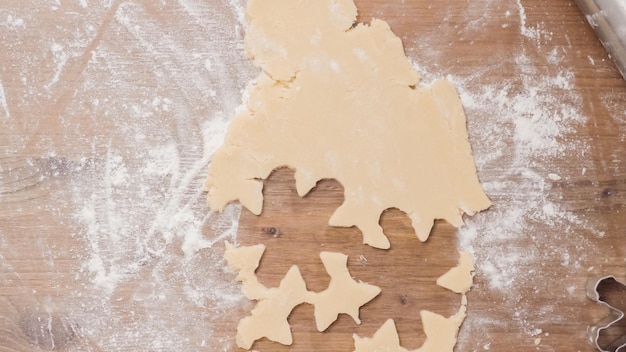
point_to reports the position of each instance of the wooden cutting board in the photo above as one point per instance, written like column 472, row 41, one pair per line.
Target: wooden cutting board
column 61, row 114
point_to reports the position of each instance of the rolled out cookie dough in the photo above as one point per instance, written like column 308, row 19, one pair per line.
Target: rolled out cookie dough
column 335, row 100
column 340, row 101
column 269, row 317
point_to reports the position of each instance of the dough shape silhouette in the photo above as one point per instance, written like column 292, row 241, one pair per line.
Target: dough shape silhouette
column 339, row 100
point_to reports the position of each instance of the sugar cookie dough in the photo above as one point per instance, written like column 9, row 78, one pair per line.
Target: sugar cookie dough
column 269, row 316
column 339, row 100
column 342, row 102
column 459, row 279
column 441, row 332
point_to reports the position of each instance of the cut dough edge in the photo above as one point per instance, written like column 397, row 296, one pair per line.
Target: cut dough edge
column 343, row 295
column 274, row 305
column 441, row 332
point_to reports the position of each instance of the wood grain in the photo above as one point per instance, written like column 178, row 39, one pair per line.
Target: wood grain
column 295, row 230
column 42, row 154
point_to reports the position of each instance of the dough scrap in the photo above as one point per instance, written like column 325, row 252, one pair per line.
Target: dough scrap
column 245, row 260
column 385, row 339
column 441, row 332
column 269, row 317
column 459, row 279
column 342, row 101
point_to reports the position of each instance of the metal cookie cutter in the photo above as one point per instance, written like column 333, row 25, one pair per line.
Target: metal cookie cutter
column 608, row 334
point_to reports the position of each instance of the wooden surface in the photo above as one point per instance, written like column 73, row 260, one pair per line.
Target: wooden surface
column 71, row 111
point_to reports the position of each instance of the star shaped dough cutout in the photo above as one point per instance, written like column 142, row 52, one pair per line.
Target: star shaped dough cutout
column 274, row 305
column 269, row 316
column 343, row 295
column 245, row 260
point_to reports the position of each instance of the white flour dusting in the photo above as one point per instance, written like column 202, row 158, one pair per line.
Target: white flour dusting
column 507, row 241
column 157, row 86
column 525, row 30
column 142, row 205
column 520, row 129
column 60, row 57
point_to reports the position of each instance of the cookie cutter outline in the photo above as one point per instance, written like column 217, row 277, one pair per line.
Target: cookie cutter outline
column 615, row 315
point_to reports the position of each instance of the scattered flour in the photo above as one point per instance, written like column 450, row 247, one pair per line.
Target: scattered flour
column 3, row 101
column 140, row 215
column 526, row 31
column 60, row 57
column 14, row 23
column 519, row 130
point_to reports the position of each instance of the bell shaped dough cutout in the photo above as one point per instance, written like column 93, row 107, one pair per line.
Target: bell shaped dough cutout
column 269, row 317
column 338, row 100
